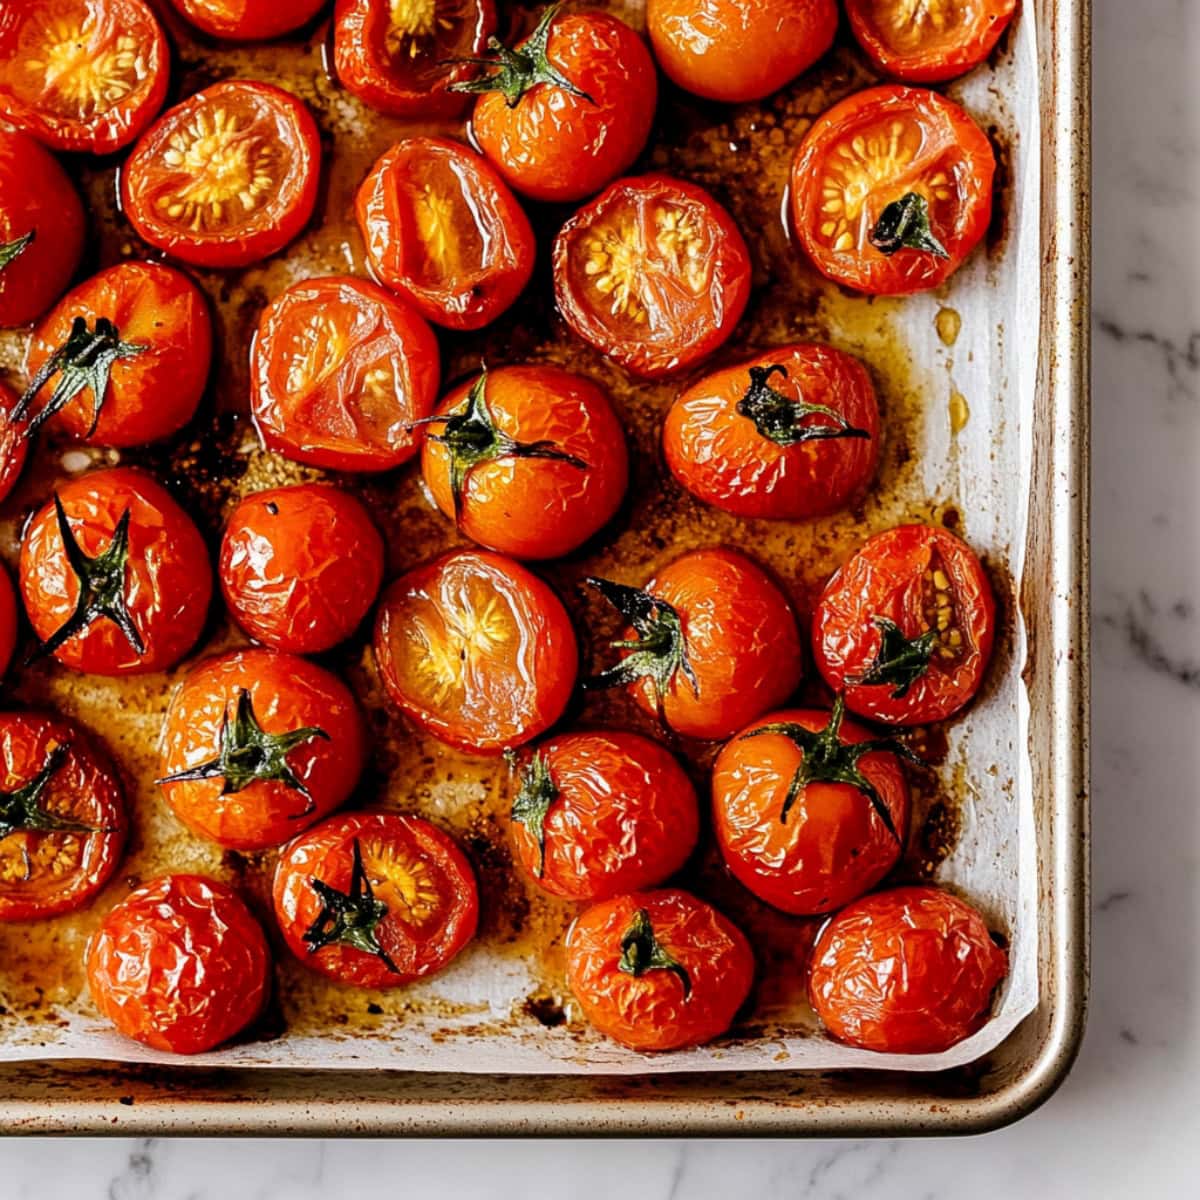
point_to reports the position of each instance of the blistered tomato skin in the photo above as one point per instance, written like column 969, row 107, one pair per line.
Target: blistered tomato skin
column 907, row 971
column 14, row 445
column 248, row 20
column 180, row 965
column 8, row 621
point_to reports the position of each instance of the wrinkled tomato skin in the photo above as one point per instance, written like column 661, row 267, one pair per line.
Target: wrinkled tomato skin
column 907, row 971
column 536, row 508
column 430, row 861
column 512, row 658
column 721, row 457
column 8, row 621
column 951, row 146
column 180, row 965
column 833, row 847
column 650, row 1013
column 84, row 789
column 625, row 817
column 286, row 693
column 152, row 394
column 248, row 20
column 886, row 578
column 168, row 575
column 14, row 446
column 300, row 566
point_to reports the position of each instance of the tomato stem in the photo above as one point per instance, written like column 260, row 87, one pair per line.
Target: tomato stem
column 350, row 918
column 782, row 420
column 14, row 249
column 22, row 809
column 899, row 660
column 904, row 224
column 532, row 802
column 641, row 951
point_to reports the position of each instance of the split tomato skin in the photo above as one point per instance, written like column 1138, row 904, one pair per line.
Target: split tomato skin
column 248, row 20
column 8, row 621
column 14, row 443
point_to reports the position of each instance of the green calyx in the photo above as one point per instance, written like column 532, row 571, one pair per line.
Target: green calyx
column 22, row 809
column 904, row 224
column 785, row 421
column 14, row 249
column 900, row 661
column 532, row 802
column 349, row 918
column 641, row 952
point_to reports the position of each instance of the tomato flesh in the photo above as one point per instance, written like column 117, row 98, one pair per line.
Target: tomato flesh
column 248, row 20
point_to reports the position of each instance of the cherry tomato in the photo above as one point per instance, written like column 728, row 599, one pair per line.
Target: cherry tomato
column 476, row 650
column 599, row 814
column 180, row 965
column 531, row 460
column 248, row 20
column 41, row 229
column 376, row 899
column 908, row 971
column 81, row 74
column 653, row 273
column 658, row 970
column 226, row 178
column 14, row 444
column 110, row 593
column 892, row 189
column 905, row 627
column 340, row 373
column 8, row 621
column 793, row 433
column 62, row 817
column 735, row 50
column 443, row 230
column 141, row 332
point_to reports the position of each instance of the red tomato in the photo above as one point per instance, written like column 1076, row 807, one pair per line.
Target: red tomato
column 531, row 460
column 14, row 444
column 905, row 627
column 81, row 74
column 62, row 817
column 653, row 273
column 340, row 372
column 658, row 970
column 248, row 20
column 8, row 621
column 910, row 971
column 376, row 899
column 226, row 178
column 793, row 433
column 286, row 557
column 599, row 814
column 476, row 650
column 443, row 230
column 110, row 593
column 180, row 965
column 892, row 189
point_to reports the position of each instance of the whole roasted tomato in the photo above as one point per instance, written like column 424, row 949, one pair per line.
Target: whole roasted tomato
column 892, row 189
column 248, row 20
column 905, row 627
column 180, row 965
column 14, row 444
column 8, row 621
column 376, row 899
column 598, row 814
column 712, row 643
column 286, row 559
column 909, row 971
column 443, row 230
column 226, row 178
column 658, row 970
column 653, row 273
column 258, row 746
column 340, row 373
column 115, row 576
column 793, row 433
column 477, row 650
column 62, row 817
column 529, row 460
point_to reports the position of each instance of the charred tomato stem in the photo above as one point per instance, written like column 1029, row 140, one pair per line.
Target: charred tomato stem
column 9, row 251
column 904, row 224
column 349, row 918
column 642, row 952
column 785, row 421
column 900, row 661
column 22, row 809
column 532, row 802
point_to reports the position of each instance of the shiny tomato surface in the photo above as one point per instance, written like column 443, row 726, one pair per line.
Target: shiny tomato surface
column 14, row 444
column 248, row 20
column 8, row 621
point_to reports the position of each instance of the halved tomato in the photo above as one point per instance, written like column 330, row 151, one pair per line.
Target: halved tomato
column 14, row 444
column 248, row 20
column 8, row 621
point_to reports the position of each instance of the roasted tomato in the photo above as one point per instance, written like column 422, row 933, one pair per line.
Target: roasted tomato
column 41, row 229
column 114, row 575
column 14, row 445
column 62, row 817
column 892, row 189
column 793, row 433
column 477, row 650
column 569, row 108
column 300, row 566
column 180, row 965
column 400, row 56
column 226, row 178
column 712, row 643
column 905, row 627
column 8, row 621
column 653, row 273
column 909, row 971
column 81, row 74
column 735, row 50
column 529, row 460
column 658, row 970
column 123, row 358
column 248, row 20
column 258, row 746
column 599, row 814
column 443, row 230
column 340, row 373
column 376, row 899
